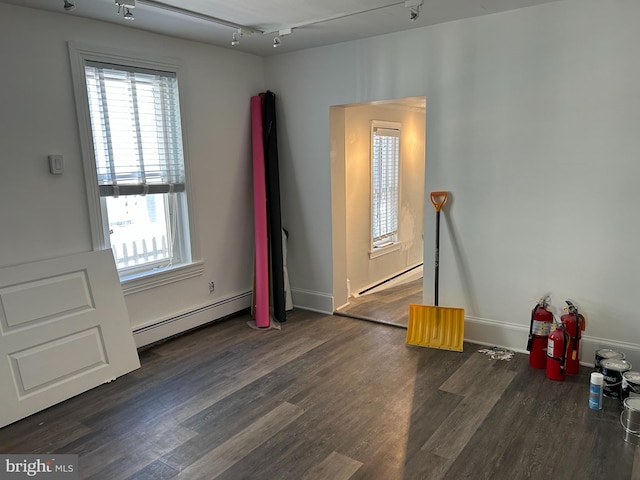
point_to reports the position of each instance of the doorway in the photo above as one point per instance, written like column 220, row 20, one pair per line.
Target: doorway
column 374, row 283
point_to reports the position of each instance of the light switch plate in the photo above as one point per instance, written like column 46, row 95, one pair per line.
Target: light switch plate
column 56, row 164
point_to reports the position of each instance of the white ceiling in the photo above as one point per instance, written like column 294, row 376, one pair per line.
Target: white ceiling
column 314, row 22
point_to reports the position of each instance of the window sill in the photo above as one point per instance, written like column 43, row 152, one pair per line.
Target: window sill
column 148, row 280
column 378, row 252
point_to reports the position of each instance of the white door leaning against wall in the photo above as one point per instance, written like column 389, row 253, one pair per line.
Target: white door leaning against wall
column 64, row 329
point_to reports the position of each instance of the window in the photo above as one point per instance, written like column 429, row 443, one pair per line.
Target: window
column 385, row 163
column 135, row 165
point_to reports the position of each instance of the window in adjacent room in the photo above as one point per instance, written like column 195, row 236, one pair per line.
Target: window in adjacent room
column 137, row 166
column 385, row 166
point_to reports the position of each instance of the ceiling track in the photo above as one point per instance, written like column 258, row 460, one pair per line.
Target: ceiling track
column 201, row 16
column 337, row 16
column 247, row 30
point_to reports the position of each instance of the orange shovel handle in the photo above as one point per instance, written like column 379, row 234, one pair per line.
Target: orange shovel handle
column 438, row 199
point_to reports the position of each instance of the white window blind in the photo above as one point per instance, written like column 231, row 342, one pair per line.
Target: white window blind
column 138, row 154
column 384, row 184
column 136, row 130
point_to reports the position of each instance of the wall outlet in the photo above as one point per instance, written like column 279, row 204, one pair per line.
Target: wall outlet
column 212, row 287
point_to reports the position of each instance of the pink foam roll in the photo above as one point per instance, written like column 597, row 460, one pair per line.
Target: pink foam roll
column 260, row 215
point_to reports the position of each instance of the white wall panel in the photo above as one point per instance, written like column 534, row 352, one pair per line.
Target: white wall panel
column 55, row 361
column 60, row 295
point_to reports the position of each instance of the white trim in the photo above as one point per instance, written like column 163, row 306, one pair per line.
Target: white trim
column 150, row 280
column 78, row 53
column 485, row 331
column 178, row 323
column 396, row 126
column 311, row 300
column 385, row 124
column 337, row 311
column 385, row 281
column 378, row 252
column 76, row 57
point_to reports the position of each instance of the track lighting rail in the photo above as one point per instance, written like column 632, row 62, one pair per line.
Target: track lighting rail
column 125, row 6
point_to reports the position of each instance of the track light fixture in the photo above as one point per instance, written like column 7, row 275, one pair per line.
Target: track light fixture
column 126, row 6
column 235, row 38
column 414, row 7
column 68, row 6
column 277, row 41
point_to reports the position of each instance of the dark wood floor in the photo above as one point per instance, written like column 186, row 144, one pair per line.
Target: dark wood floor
column 328, row 397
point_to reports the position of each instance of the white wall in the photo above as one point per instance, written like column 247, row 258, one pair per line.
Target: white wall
column 532, row 119
column 45, row 216
column 531, row 124
column 362, row 271
column 339, row 211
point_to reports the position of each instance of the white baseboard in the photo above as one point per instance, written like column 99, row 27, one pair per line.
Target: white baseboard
column 164, row 328
column 409, row 273
column 314, row 301
column 494, row 333
column 514, row 337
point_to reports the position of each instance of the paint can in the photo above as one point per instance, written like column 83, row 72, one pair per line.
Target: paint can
column 630, row 385
column 630, row 420
column 606, row 354
column 612, row 370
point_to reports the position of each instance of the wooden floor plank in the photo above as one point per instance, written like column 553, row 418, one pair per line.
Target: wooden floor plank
column 179, row 397
column 146, row 444
column 335, row 467
column 233, row 450
column 428, row 466
column 126, row 465
column 635, row 473
column 484, row 454
column 453, row 434
column 472, row 377
column 40, row 434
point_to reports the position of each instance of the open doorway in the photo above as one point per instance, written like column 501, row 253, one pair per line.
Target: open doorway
column 377, row 281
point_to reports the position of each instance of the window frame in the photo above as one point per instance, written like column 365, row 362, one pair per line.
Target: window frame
column 79, row 55
column 393, row 244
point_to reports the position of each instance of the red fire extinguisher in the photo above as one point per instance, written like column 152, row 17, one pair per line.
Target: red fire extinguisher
column 541, row 319
column 557, row 352
column 574, row 325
